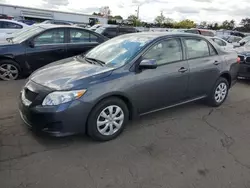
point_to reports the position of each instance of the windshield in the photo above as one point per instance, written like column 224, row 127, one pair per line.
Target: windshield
column 118, row 51
column 27, row 34
column 21, row 31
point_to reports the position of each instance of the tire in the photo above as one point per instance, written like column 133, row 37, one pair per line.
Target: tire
column 221, row 86
column 9, row 70
column 103, row 132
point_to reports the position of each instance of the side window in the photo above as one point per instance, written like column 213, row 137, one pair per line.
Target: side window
column 78, row 36
column 1, row 24
column 220, row 42
column 9, row 25
column 196, row 48
column 93, row 38
column 165, row 52
column 54, row 36
column 110, row 32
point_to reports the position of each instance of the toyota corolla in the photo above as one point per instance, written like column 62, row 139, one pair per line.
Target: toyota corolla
column 127, row 76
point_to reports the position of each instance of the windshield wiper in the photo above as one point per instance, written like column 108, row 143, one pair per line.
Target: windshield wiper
column 95, row 60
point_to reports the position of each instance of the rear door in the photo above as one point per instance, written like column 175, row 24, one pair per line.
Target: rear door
column 204, row 64
column 80, row 41
column 49, row 46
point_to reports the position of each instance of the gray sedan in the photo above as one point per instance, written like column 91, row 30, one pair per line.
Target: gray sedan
column 125, row 77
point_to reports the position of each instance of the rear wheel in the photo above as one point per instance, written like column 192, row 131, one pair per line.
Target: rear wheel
column 219, row 92
column 108, row 119
column 9, row 70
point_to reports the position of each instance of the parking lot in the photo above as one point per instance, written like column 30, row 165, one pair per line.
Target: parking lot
column 188, row 146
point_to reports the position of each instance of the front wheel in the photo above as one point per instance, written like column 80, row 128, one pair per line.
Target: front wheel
column 108, row 119
column 219, row 93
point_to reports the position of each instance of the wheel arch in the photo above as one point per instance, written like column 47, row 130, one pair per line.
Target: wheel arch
column 123, row 97
column 227, row 76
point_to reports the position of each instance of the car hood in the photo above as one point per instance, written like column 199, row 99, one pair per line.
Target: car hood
column 244, row 50
column 69, row 73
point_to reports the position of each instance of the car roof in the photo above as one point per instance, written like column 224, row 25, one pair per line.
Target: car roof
column 114, row 26
column 51, row 26
column 162, row 34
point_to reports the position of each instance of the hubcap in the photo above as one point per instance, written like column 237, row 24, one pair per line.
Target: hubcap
column 220, row 92
column 8, row 72
column 110, row 120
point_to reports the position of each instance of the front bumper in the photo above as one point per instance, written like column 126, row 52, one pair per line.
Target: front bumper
column 62, row 120
column 244, row 70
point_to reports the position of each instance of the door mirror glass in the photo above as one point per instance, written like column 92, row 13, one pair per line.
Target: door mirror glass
column 148, row 64
column 31, row 44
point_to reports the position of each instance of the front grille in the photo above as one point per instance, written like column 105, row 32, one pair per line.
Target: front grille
column 242, row 58
column 30, row 95
column 247, row 60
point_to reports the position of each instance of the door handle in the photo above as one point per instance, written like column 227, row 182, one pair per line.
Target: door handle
column 60, row 50
column 182, row 70
column 216, row 62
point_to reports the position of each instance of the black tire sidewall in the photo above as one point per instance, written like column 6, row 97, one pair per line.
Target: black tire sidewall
column 92, row 126
column 212, row 100
column 6, row 61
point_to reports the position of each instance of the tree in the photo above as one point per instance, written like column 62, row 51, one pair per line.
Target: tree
column 160, row 19
column 118, row 17
column 185, row 24
column 134, row 20
column 105, row 11
column 204, row 24
column 245, row 25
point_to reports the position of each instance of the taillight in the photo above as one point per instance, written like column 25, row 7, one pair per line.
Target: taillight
column 238, row 60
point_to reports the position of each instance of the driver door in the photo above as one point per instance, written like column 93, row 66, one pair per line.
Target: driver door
column 48, row 47
column 167, row 84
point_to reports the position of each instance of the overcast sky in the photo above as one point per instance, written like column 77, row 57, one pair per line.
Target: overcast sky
column 197, row 10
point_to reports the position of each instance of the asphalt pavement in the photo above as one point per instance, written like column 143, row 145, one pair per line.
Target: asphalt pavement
column 191, row 146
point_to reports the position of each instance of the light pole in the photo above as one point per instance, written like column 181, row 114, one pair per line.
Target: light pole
column 137, row 16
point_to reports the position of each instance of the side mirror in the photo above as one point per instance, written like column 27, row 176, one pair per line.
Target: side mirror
column 31, row 44
column 242, row 43
column 148, row 64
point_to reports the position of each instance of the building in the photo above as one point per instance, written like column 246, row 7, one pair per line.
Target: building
column 39, row 15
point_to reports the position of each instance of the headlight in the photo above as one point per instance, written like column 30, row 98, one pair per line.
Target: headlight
column 60, row 97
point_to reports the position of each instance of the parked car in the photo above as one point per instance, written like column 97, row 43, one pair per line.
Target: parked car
column 244, row 55
column 6, row 36
column 41, row 45
column 232, row 39
column 242, row 42
column 127, row 76
column 112, row 31
column 204, row 32
column 222, row 43
column 10, row 26
column 57, row 22
column 95, row 27
column 225, row 33
column 28, row 22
